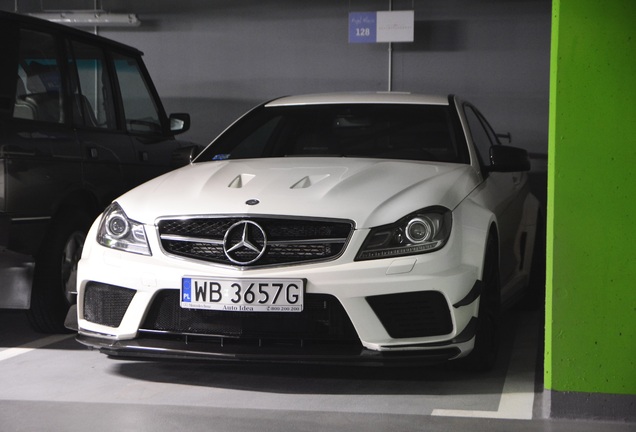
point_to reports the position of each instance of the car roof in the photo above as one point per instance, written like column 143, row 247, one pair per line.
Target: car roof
column 360, row 98
column 51, row 26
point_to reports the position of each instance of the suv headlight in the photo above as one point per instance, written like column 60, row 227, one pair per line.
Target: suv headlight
column 116, row 231
column 421, row 232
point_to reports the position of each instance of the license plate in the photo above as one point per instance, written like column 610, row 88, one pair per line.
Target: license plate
column 242, row 295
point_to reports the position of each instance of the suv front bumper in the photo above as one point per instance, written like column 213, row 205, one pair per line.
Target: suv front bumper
column 16, row 279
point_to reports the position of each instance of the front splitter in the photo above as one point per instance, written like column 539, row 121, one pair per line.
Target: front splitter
column 157, row 349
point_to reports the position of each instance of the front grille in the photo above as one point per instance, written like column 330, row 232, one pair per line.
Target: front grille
column 323, row 319
column 274, row 241
column 415, row 314
column 106, row 304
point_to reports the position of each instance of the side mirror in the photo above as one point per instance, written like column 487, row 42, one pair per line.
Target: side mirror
column 184, row 155
column 508, row 159
column 179, row 122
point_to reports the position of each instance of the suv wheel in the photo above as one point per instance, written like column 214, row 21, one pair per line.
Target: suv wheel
column 55, row 279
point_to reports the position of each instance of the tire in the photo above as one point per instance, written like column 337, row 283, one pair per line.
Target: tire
column 55, row 278
column 487, row 340
column 534, row 298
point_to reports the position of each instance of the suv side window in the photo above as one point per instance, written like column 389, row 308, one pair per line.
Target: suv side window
column 92, row 95
column 39, row 94
column 140, row 111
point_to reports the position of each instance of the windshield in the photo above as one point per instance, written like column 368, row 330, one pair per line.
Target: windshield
column 410, row 132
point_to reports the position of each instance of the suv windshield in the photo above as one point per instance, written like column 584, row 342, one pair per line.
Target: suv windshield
column 410, row 132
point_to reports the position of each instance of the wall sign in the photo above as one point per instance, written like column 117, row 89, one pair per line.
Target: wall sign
column 383, row 26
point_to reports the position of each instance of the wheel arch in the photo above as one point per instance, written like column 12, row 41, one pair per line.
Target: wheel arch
column 493, row 236
column 78, row 200
column 478, row 225
column 82, row 200
column 56, row 260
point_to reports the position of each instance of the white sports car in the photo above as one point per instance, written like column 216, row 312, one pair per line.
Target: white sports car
column 371, row 228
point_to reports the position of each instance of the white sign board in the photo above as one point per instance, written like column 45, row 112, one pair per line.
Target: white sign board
column 395, row 26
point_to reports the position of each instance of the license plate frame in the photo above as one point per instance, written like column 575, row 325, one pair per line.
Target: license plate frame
column 242, row 294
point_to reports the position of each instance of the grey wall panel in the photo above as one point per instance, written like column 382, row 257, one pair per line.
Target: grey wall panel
column 218, row 58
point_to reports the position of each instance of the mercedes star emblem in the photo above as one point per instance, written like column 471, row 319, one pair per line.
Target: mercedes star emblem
column 244, row 242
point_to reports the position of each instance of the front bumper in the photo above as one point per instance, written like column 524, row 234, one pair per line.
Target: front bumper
column 353, row 287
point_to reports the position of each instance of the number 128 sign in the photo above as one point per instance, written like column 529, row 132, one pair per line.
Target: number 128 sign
column 372, row 27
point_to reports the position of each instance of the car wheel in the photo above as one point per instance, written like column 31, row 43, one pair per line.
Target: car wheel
column 534, row 298
column 55, row 278
column 484, row 354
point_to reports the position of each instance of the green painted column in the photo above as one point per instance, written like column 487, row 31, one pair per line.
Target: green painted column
column 591, row 257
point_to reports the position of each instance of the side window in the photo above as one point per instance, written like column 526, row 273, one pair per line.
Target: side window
column 482, row 137
column 140, row 111
column 39, row 91
column 92, row 93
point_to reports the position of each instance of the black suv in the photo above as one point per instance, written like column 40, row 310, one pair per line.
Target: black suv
column 80, row 123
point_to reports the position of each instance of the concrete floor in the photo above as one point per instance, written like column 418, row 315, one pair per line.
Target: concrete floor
column 51, row 383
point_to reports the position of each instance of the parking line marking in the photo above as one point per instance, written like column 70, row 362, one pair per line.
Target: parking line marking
column 517, row 395
column 38, row 343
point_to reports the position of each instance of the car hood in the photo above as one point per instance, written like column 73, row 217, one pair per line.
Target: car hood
column 370, row 192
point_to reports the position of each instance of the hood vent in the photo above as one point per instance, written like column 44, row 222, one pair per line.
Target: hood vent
column 241, row 180
column 308, row 181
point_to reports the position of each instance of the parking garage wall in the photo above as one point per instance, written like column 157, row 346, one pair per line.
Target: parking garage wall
column 216, row 59
column 590, row 354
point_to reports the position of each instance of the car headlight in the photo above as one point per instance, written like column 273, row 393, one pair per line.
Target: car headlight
column 421, row 232
column 116, row 231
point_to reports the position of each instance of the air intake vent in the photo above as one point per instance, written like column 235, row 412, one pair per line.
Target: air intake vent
column 416, row 314
column 106, row 304
column 323, row 319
